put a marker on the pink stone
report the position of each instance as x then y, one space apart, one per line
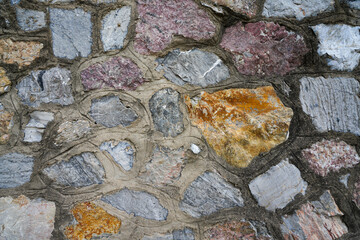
264 48
356 193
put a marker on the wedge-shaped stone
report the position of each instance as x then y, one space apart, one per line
6 124
183 234
71 131
5 83
37 125
15 169
30 20
122 153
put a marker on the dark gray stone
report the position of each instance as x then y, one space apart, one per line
15 169
122 153
184 234
30 20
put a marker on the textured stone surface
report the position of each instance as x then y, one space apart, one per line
264 48
71 32
246 7
118 72
239 124
340 44
122 153
194 67
15 169
210 193
330 156
183 234
30 20
353 3
91 220
5 84
79 171
115 27
111 112
22 218
46 86
315 220
5 124
37 125
324 100
71 131
162 19
278 186
139 203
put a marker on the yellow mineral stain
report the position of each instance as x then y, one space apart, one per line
4 81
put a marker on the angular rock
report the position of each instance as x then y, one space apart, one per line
246 7
239 124
162 19
330 156
122 153
71 32
37 125
183 234
117 72
6 124
195 148
22 218
194 67
46 86
79 171
30 20
278 186
139 203
264 48
344 179
15 169
324 100
315 220
208 194
5 84
110 112
70 131
165 112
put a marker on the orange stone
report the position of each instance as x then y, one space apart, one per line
5 83
239 124
5 126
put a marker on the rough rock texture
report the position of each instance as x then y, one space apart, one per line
324 100
264 48
22 218
122 153
46 86
5 83
139 203
278 186
356 193
246 7
37 125
5 124
340 44
239 124
162 19
194 67
166 113
210 193
353 3
183 234
15 169
71 131
330 156
315 220
110 112
30 20
79 171
118 72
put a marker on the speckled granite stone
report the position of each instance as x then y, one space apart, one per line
69 131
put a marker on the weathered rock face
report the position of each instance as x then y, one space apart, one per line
183 234
30 20
278 186
71 131
264 48
91 220
79 171
15 169
239 124
22 218
122 153
341 43
162 19
139 203
5 83
5 124
246 7
165 112
37 125
324 100
356 193
315 220
118 72
210 193
194 67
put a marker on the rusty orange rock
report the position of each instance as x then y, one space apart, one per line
5 125
239 124
5 83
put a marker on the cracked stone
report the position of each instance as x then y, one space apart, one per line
15 169
30 20
70 131
122 153
37 125
5 83
6 124
246 7
183 234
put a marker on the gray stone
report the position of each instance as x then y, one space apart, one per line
37 125
80 171
15 2
210 193
278 186
15 169
353 3
183 234
139 203
115 28
194 67
159 237
122 153
30 20
332 103
165 112
111 112
46 86
71 32
71 131
344 179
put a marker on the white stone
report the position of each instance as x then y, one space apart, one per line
195 148
37 125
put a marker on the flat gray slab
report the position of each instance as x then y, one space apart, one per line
15 169
122 153
30 20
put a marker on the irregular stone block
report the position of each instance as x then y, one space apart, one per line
15 169
183 234
122 153
22 218
315 220
239 124
80 171
246 7
118 72
5 84
30 20
194 67
210 193
324 100
344 179
139 203
46 86
264 48
37 125
110 112
71 131
6 124
165 112
278 186
71 32
162 19
356 193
